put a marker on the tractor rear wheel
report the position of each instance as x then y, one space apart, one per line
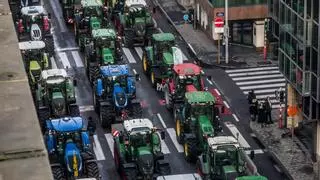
92 170
129 38
105 117
43 115
93 73
164 169
74 110
190 150
129 174
179 131
58 173
95 102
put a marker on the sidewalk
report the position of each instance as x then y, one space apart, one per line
297 164
204 48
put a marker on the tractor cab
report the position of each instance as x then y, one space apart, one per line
105 46
34 58
225 157
90 15
33 20
139 132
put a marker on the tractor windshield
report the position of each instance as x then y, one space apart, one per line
93 11
226 155
140 138
202 109
140 11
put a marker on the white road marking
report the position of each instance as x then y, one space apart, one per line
265 96
263 91
110 142
164 147
277 168
134 71
159 29
56 11
53 63
261 81
172 134
97 149
209 82
67 49
258 77
235 117
254 73
217 91
129 55
155 23
262 86
161 120
234 130
64 59
256 151
251 69
139 52
190 46
86 108
77 58
226 104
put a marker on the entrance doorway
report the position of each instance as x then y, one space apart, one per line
242 32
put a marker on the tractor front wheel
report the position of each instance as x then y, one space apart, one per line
129 174
179 131
93 73
92 170
58 173
129 38
190 150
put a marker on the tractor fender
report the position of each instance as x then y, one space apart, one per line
99 87
204 166
85 141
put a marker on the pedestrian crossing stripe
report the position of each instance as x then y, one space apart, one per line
263 80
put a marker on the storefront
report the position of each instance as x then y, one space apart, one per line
241 32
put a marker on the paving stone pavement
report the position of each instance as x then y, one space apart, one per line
298 164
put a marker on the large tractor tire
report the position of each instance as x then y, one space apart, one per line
106 117
129 174
179 131
190 150
129 38
95 102
74 110
164 169
93 73
43 115
145 66
92 169
58 173
136 111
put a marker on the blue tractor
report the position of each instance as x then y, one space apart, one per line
69 148
114 95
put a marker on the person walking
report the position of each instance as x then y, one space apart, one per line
268 107
253 103
261 114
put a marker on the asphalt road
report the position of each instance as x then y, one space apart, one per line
68 57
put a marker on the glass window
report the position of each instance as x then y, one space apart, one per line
314 109
299 58
314 59
247 33
287 67
307 58
281 61
306 83
306 106
316 10
282 13
315 35
313 85
292 72
299 79
300 28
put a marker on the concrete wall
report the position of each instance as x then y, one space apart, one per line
258 34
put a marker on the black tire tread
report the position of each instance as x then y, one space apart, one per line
92 170
58 173
106 120
192 150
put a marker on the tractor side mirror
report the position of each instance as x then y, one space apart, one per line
204 158
75 82
252 154
137 77
163 135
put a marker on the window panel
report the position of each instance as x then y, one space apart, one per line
314 86
306 83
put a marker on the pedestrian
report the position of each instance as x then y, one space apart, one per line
260 113
268 107
252 100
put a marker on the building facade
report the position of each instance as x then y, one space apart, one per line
246 19
295 24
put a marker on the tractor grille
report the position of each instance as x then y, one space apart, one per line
36 33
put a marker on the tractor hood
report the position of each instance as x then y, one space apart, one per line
120 97
73 159
58 104
35 32
107 56
145 160
206 125
67 124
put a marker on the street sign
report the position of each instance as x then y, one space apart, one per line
218 25
186 17
220 14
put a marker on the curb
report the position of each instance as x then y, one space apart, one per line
272 154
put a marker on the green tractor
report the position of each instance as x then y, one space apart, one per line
55 95
103 50
195 121
137 150
89 17
35 59
133 21
159 58
224 159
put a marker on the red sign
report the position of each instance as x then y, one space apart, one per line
218 22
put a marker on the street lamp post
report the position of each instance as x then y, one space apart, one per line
226 31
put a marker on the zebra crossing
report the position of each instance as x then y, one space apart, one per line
263 80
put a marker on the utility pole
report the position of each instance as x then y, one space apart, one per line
226 31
